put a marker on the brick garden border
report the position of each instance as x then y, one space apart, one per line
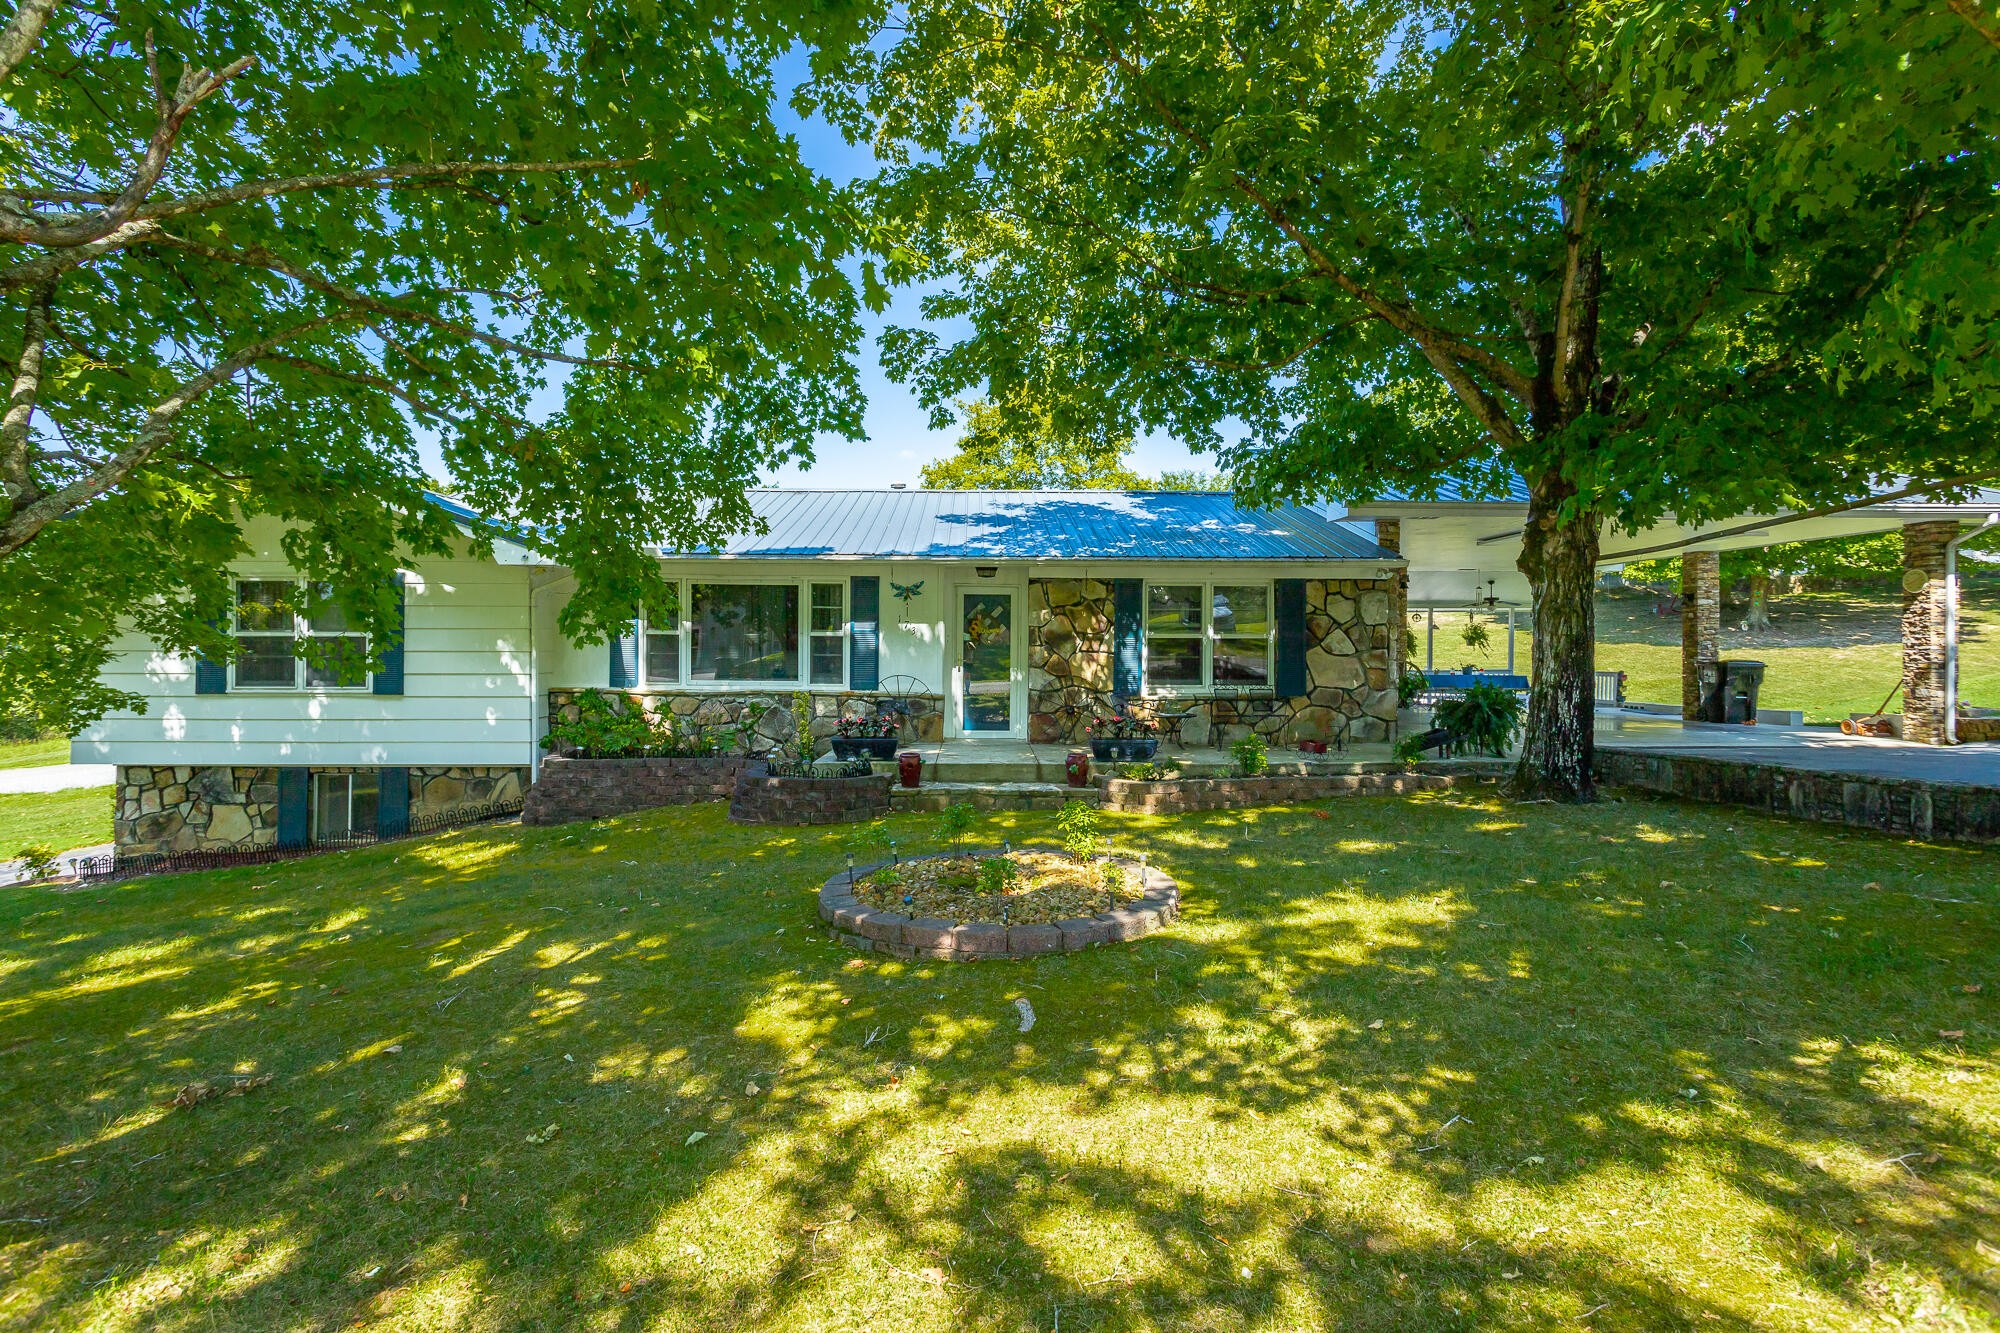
1171 796
572 789
866 928
759 798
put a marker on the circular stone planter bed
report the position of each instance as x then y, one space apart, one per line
869 914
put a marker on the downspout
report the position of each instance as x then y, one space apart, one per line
1951 627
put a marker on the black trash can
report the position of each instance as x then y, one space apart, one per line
1709 680
1741 681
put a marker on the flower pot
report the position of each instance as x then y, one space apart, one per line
1076 768
909 767
1312 747
864 747
1124 749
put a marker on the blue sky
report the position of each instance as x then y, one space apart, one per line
898 440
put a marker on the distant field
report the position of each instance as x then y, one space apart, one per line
33 754
66 820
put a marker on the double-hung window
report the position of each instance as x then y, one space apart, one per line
747 634
290 635
1200 635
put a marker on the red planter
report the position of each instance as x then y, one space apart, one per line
1076 768
909 767
1312 747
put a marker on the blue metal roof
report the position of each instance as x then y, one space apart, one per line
1496 488
1039 525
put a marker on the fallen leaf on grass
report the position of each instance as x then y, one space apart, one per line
1951 1034
695 1138
1972 989
397 1049
1376 1024
546 1136
934 1276
751 1089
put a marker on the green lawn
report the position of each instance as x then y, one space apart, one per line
79 817
1430 1063
34 754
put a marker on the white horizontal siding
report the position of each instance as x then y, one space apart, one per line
468 689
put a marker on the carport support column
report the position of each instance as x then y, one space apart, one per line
1389 536
1924 630
1701 624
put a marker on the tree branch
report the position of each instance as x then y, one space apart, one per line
17 481
21 34
26 228
261 259
1969 11
22 526
54 263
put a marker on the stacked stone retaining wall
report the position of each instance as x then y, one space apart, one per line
573 789
1176 795
759 798
1947 810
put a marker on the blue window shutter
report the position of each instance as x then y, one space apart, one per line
625 659
864 632
1288 670
389 678
211 676
294 806
1128 636
392 802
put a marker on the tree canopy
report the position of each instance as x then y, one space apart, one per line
252 254
1014 445
1631 253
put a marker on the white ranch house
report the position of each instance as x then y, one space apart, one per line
988 614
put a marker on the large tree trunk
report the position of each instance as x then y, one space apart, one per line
1759 616
1560 560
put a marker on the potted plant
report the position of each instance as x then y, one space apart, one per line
870 737
1122 736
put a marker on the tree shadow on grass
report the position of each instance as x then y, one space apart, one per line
1421 1063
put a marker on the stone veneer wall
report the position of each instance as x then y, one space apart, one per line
215 808
1949 810
1701 624
720 712
1350 662
1176 795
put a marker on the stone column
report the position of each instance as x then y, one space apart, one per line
1701 623
1389 535
1923 630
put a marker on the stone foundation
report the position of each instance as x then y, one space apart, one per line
1946 810
573 789
1176 795
759 798
1701 624
224 808
721 713
1351 657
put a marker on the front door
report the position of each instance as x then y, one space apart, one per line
986 663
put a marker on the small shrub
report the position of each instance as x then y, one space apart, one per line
1149 770
1483 722
1410 749
1252 756
1080 829
39 860
803 744
954 822
997 875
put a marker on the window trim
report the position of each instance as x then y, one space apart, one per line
683 586
301 629
1208 635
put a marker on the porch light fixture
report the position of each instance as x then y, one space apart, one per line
986 571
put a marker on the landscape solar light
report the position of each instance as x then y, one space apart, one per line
850 870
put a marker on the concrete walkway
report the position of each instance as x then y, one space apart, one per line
56 777
1812 749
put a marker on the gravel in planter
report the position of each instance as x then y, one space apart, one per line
1047 888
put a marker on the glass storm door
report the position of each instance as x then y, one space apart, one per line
986 662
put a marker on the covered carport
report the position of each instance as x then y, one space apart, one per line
1463 550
